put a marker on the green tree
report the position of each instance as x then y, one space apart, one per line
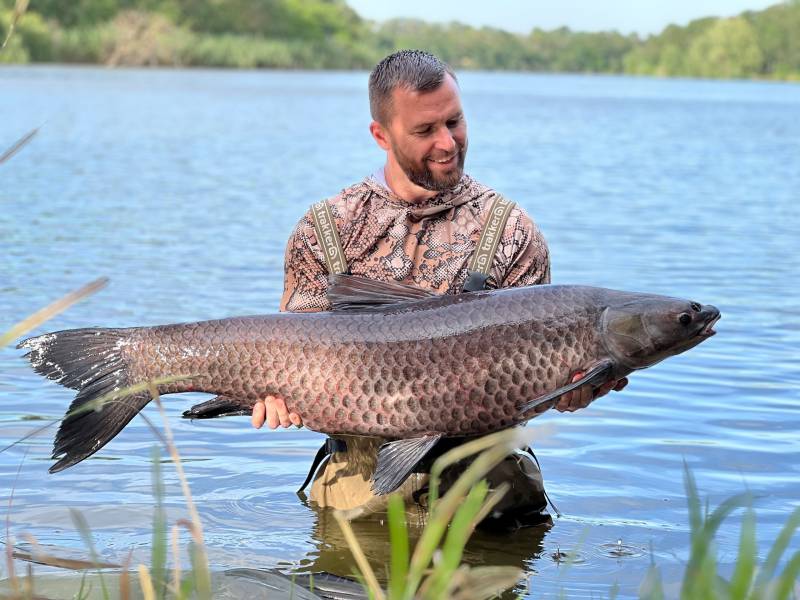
330 34
77 13
728 48
776 29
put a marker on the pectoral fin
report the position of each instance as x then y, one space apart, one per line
596 376
397 459
219 406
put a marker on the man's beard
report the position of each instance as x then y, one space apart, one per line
421 175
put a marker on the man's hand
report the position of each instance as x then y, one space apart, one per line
272 409
584 395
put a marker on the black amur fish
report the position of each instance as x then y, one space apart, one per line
390 360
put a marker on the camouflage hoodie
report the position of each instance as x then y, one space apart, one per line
428 244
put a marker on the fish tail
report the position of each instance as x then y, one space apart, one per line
91 361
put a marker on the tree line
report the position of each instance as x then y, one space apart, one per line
328 34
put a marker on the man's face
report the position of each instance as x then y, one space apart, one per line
427 135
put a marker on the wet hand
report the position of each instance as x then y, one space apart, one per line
273 411
585 395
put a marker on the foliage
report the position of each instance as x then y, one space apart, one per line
749 580
565 50
726 49
325 34
451 520
664 54
754 44
14 51
776 30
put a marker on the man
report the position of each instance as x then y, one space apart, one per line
417 220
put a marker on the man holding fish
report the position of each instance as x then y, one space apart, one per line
419 220
403 356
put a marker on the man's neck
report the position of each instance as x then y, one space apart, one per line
402 187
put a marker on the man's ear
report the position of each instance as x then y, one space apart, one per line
379 133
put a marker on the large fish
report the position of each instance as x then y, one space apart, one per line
391 361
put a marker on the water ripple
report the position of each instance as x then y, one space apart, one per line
677 187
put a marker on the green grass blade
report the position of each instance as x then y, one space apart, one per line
457 536
788 579
158 560
200 574
363 569
493 449
20 6
711 585
486 582
652 586
722 512
187 587
779 547
614 591
86 535
82 591
742 579
700 579
693 499
398 539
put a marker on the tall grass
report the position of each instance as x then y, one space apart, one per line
451 521
153 580
749 581
432 569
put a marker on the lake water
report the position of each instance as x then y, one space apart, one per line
182 187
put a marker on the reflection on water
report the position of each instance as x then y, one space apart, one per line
182 187
331 554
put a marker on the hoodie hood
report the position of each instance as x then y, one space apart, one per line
461 193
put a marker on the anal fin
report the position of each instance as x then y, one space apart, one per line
396 461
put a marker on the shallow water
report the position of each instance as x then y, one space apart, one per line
182 187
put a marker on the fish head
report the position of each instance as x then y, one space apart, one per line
644 331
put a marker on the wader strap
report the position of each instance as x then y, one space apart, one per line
529 450
481 264
328 238
330 446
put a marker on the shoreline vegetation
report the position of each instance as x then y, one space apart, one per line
328 34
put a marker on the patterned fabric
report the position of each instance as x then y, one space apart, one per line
428 244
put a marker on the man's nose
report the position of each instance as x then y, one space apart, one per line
445 140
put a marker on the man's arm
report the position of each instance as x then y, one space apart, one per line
530 265
525 256
305 276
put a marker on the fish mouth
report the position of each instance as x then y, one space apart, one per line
708 330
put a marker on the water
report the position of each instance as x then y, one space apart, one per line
182 187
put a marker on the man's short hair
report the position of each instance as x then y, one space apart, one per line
415 70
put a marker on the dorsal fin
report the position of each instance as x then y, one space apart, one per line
351 292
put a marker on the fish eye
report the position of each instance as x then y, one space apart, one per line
696 306
685 318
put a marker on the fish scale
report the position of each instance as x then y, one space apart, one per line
457 365
346 360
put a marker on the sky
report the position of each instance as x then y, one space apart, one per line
626 16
